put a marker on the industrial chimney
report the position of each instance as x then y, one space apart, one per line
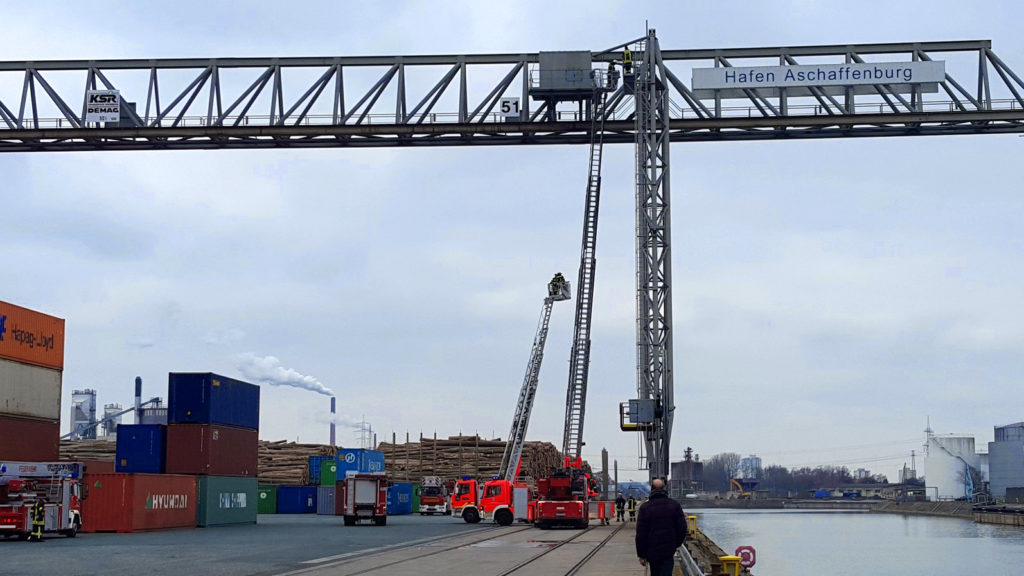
332 420
138 399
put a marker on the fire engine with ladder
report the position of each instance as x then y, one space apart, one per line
57 484
499 497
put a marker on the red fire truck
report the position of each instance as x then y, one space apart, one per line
57 484
362 497
564 497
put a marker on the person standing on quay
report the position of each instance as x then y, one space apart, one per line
660 530
620 508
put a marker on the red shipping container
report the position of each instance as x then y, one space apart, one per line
29 440
212 449
134 502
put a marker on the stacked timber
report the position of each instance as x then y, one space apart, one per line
287 463
280 462
459 456
83 450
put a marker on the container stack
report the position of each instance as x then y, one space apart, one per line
31 368
326 471
212 433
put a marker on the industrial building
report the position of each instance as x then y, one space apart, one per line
1006 459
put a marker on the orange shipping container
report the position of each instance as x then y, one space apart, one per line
31 337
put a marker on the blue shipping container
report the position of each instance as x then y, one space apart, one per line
211 399
315 464
360 461
141 448
400 498
296 499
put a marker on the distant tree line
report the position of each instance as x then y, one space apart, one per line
721 468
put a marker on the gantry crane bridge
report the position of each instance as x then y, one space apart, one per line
504 99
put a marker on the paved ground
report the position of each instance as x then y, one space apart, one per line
277 544
321 546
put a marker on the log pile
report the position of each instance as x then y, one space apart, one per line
459 456
287 463
96 450
280 462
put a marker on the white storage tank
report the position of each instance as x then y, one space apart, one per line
946 463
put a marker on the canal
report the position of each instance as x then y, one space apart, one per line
839 543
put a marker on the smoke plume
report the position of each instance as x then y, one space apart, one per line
268 370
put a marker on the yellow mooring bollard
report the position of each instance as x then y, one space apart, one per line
691 526
730 565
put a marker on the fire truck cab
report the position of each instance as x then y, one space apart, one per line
474 502
57 484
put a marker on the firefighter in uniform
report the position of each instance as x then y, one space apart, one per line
631 507
38 520
627 62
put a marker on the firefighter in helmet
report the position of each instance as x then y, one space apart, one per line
38 520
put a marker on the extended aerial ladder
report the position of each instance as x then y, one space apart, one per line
558 289
494 499
579 358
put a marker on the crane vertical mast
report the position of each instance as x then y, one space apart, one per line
579 359
558 290
653 252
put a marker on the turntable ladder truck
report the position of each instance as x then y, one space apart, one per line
495 498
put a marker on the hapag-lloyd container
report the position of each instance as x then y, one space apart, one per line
206 398
211 449
29 440
31 337
360 461
227 500
132 502
141 448
29 391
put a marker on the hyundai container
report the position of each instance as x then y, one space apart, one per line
134 502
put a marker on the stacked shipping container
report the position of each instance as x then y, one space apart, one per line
31 367
213 432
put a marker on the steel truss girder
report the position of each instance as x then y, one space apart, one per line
310 107
575 132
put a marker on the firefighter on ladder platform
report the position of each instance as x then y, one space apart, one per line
38 520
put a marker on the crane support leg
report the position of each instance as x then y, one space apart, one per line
653 252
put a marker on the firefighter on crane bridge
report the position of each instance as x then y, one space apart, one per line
627 61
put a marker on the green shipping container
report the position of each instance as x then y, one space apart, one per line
227 500
416 498
268 499
328 472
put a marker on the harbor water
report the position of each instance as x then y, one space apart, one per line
842 543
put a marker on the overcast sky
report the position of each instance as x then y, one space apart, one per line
829 295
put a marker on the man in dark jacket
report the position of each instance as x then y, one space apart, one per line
660 529
620 508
